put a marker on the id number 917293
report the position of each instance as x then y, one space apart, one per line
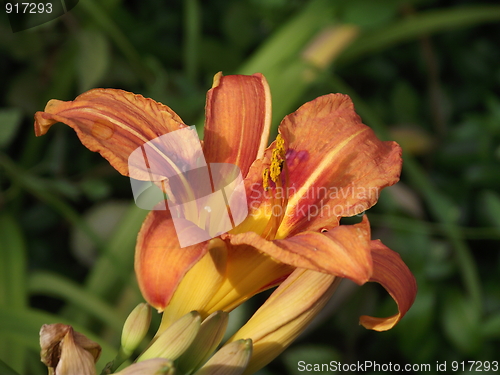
32 8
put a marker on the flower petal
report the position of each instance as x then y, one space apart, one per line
343 251
392 273
238 118
160 262
199 284
111 122
285 314
336 165
248 272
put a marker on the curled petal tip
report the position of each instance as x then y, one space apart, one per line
391 272
217 78
111 122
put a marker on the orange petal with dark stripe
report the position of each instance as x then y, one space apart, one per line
343 251
238 118
391 272
111 122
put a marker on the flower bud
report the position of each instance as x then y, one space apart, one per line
135 328
66 352
231 359
154 366
175 339
208 338
285 314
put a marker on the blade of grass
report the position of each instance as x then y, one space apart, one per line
24 327
111 273
116 260
6 370
423 227
423 23
12 263
116 265
37 188
192 28
54 285
13 294
280 59
101 18
284 45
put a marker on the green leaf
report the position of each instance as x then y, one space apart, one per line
93 58
287 42
415 328
102 219
423 23
10 119
24 327
105 22
192 29
6 369
112 271
280 57
53 285
491 206
12 264
369 14
405 102
116 263
40 189
12 283
461 323
491 328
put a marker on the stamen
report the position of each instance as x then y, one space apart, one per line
278 158
277 166
265 179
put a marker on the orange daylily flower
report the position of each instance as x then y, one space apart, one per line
325 164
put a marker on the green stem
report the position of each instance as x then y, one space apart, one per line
112 366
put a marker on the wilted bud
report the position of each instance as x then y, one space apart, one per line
231 359
135 328
66 352
208 338
155 366
285 314
175 339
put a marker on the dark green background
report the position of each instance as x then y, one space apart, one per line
425 73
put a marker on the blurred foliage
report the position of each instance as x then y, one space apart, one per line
422 72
